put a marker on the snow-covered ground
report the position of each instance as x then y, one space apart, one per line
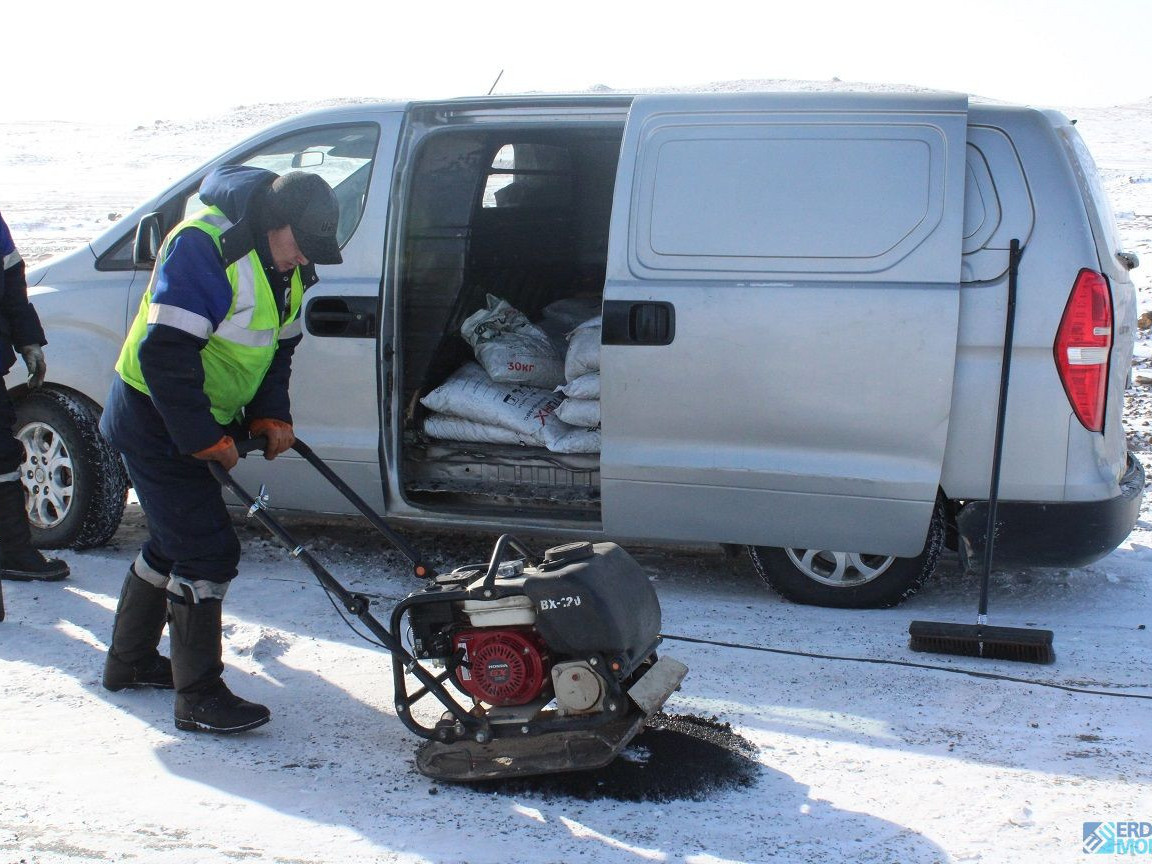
859 761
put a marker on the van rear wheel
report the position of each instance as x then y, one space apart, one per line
849 580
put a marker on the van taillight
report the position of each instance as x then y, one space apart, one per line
1083 345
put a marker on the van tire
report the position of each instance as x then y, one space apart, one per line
795 574
75 484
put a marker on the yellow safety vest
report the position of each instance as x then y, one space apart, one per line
241 348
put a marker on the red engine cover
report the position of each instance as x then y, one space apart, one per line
507 666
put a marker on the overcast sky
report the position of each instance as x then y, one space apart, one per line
136 61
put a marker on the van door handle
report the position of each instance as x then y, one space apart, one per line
342 317
648 323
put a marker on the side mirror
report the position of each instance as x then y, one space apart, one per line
149 236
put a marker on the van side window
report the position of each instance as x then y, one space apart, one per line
119 257
529 175
833 196
342 155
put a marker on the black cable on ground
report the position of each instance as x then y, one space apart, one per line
970 672
873 660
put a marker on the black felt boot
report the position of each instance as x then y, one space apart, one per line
18 560
133 660
203 702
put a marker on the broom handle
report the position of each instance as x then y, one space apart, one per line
1014 254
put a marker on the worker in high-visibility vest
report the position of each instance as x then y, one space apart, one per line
208 358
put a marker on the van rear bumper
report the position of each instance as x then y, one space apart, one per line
1054 534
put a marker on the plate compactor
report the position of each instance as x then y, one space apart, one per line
551 661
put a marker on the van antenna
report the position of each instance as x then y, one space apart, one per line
494 83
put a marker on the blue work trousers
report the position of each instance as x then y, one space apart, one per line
190 531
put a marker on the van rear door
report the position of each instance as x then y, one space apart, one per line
780 318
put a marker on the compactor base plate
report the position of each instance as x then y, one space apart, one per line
549 753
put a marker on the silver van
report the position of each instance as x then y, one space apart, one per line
803 301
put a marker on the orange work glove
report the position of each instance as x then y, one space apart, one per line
223 451
279 434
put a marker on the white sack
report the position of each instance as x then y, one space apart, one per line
585 387
584 413
446 428
511 348
576 441
583 350
470 394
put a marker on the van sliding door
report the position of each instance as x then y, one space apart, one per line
780 318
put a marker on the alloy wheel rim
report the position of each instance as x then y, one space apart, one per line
47 475
839 569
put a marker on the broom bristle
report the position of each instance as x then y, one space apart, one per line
943 645
1018 644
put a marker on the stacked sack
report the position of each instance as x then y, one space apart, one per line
511 348
582 378
506 397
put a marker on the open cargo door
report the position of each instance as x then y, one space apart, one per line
780 318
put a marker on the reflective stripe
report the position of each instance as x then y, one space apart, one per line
200 589
245 304
230 332
218 220
292 330
12 259
10 476
152 577
181 319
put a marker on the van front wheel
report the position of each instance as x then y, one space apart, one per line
848 580
75 485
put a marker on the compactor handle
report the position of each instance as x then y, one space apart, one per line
259 442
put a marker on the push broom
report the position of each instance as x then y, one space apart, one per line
1026 645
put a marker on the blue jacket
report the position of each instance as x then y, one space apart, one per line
177 418
19 323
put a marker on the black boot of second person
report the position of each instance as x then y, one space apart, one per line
203 702
133 660
19 561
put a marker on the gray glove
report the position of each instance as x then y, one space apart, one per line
34 360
